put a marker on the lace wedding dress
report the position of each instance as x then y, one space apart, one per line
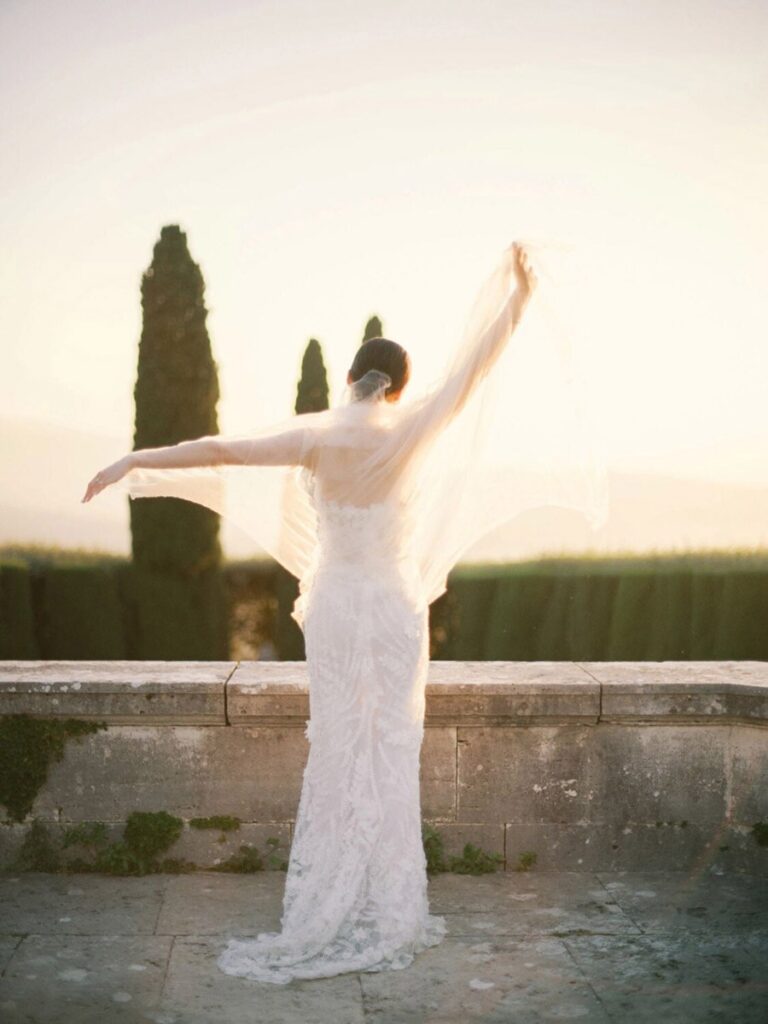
370 504
356 888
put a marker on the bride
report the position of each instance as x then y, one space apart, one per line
370 504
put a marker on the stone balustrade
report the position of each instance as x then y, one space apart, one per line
587 766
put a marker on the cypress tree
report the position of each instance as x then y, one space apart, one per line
373 329
312 390
311 396
176 543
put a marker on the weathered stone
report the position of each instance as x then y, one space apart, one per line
215 996
212 847
527 947
730 691
537 774
251 773
268 692
221 904
747 776
437 774
661 773
204 848
117 692
685 901
505 744
84 904
490 838
59 979
678 978
589 846
507 693
8 944
571 846
478 977
545 908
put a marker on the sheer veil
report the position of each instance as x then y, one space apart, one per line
504 428
527 437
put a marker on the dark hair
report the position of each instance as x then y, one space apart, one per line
386 356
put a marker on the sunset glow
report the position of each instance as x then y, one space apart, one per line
330 161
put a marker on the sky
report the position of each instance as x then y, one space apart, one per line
330 160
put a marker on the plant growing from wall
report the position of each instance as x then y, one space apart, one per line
147 835
246 861
473 859
28 746
38 851
526 860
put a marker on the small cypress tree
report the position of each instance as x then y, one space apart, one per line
373 329
312 390
311 396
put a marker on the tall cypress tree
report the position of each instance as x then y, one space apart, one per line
175 544
373 329
312 390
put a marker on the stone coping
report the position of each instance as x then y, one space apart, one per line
459 693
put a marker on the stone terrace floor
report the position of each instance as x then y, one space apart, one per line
534 947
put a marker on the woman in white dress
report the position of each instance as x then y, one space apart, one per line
369 504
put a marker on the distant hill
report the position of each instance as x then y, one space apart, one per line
45 470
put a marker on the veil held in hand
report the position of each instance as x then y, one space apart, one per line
504 429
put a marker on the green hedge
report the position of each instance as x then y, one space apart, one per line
17 621
178 618
622 609
81 613
645 609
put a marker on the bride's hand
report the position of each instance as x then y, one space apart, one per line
524 272
108 476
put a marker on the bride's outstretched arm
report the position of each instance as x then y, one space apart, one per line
291 447
284 449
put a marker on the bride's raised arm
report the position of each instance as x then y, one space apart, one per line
496 314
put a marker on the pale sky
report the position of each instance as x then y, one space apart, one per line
328 160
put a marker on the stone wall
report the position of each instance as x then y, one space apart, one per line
595 765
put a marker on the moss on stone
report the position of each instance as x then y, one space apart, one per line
176 866
28 745
526 860
473 860
38 851
147 835
433 849
223 822
86 833
275 860
760 832
246 861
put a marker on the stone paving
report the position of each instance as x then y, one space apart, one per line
522 947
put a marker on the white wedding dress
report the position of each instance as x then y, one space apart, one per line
356 888
370 504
